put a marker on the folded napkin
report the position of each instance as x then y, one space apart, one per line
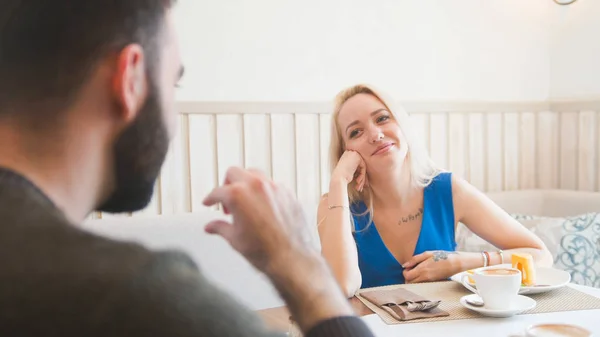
404 305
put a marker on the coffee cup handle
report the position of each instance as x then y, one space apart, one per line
464 281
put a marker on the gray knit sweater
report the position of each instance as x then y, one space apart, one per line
57 280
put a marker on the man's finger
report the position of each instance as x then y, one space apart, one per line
257 172
262 175
235 174
221 194
220 227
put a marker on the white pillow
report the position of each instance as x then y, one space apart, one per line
549 230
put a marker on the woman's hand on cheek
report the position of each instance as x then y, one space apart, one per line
430 266
351 167
361 174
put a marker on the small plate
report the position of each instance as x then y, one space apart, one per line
523 303
547 279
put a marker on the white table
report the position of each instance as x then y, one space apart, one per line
490 327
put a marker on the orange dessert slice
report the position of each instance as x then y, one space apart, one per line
524 262
470 279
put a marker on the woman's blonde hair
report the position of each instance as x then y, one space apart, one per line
422 168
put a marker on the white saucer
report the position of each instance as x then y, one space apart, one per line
547 278
523 303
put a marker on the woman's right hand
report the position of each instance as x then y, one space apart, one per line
351 166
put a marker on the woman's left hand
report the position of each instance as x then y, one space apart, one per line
431 266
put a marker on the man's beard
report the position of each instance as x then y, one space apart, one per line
139 154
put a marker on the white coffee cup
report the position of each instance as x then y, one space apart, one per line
556 330
498 287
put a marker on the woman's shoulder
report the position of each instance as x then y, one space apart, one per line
442 180
443 176
452 182
453 189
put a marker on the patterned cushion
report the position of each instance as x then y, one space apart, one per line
574 243
579 249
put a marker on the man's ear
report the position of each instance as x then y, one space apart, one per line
130 82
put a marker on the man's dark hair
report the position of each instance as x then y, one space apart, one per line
48 48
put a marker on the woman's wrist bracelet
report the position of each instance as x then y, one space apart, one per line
339 206
489 257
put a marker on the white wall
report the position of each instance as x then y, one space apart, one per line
273 50
575 51
495 146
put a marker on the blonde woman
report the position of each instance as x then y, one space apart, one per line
390 215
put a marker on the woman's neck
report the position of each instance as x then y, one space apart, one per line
392 188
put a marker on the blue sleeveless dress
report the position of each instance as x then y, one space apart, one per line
377 265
